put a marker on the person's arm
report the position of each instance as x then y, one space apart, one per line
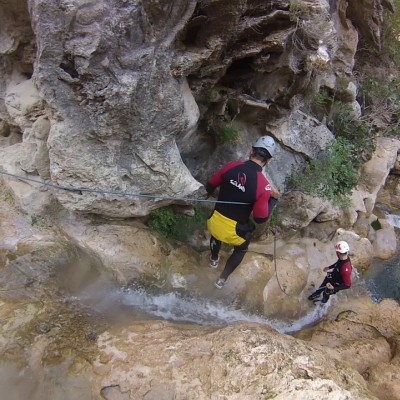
346 276
330 268
210 188
266 199
345 272
216 179
260 208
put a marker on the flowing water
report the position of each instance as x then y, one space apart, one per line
206 310
383 278
207 307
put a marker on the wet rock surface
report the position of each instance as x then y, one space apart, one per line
77 332
133 97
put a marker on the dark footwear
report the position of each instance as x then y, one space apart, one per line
314 296
220 283
214 263
327 293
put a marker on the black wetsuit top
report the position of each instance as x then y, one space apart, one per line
241 182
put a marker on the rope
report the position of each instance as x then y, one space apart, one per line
80 190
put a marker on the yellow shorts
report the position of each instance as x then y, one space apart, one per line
224 229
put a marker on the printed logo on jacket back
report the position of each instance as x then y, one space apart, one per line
241 181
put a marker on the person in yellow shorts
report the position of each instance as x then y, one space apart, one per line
243 190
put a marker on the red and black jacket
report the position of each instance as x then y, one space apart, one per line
244 182
340 277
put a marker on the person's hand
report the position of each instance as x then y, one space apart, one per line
329 286
327 269
201 193
275 193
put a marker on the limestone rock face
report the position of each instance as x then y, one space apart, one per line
215 366
304 134
384 241
24 159
359 328
370 19
138 97
301 209
118 108
390 193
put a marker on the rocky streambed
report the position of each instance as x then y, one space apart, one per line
75 325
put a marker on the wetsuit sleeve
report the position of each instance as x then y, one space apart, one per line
209 188
216 179
260 211
260 207
346 276
332 266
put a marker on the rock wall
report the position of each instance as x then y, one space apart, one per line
133 97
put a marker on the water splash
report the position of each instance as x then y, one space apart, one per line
178 307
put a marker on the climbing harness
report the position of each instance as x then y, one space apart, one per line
81 190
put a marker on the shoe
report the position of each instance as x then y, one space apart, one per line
214 263
314 296
220 283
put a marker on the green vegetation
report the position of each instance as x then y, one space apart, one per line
391 33
341 121
297 10
335 174
379 95
321 101
229 356
34 220
206 99
274 218
332 177
380 101
177 226
376 225
359 133
227 134
6 195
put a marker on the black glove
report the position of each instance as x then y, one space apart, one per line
245 230
271 204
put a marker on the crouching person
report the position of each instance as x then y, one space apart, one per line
338 275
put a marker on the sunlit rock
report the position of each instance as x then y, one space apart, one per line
384 240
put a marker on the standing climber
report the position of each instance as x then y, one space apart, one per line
240 182
338 275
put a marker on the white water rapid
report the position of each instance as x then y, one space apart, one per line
138 303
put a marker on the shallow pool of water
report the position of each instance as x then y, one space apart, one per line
383 279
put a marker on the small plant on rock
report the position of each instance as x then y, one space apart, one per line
177 226
228 134
332 177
